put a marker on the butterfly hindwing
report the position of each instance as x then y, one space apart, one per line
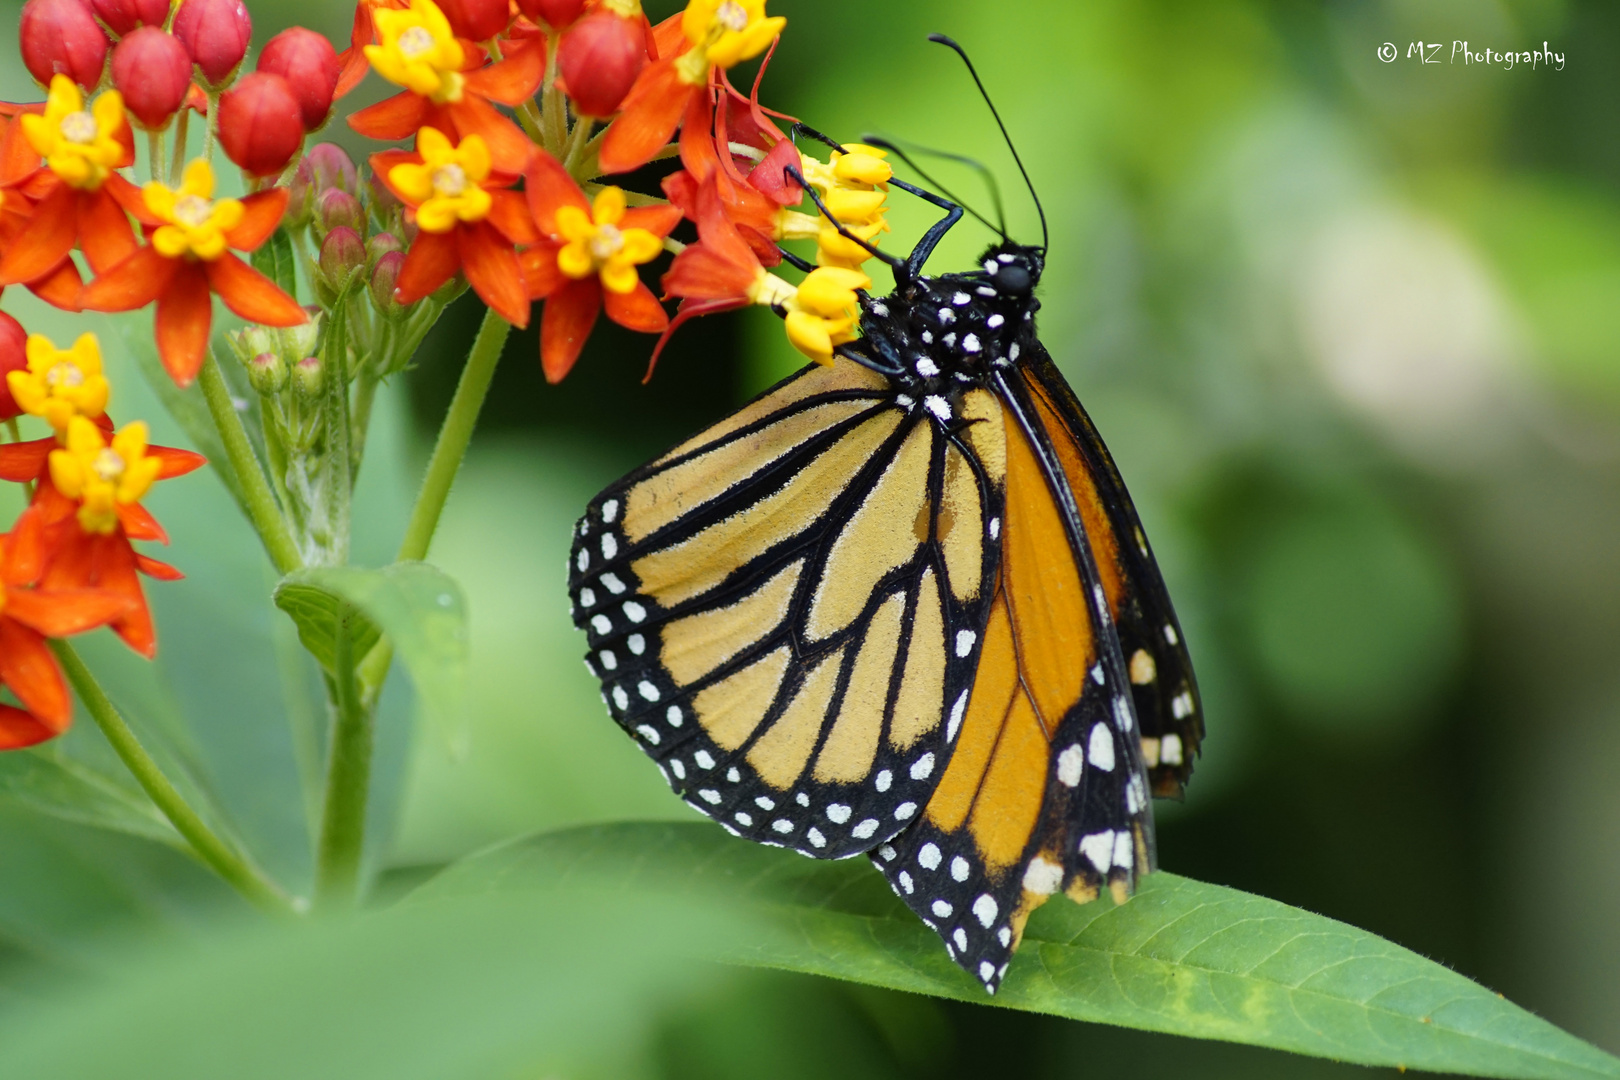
779 609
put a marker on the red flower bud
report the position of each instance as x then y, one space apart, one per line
554 13
13 357
476 20
384 279
122 16
337 209
341 252
151 69
310 65
62 36
216 34
259 126
600 56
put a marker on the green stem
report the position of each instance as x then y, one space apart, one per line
208 128
577 141
553 107
228 863
365 393
348 779
155 165
182 128
260 502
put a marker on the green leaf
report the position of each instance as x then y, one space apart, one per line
276 261
72 791
1181 956
420 608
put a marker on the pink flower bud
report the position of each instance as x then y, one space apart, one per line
123 16
151 69
476 20
600 56
259 125
384 279
554 13
380 245
337 209
216 34
62 37
330 167
310 65
341 252
13 357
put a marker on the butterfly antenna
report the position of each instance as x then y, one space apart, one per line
941 39
978 166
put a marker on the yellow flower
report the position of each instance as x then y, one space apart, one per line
418 50
857 167
854 185
824 310
596 245
197 222
80 146
724 33
101 477
61 384
445 187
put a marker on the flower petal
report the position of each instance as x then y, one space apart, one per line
176 462
569 315
493 271
116 571
19 729
261 213
61 287
131 199
29 669
509 148
63 613
540 272
649 116
383 162
658 220
509 213
432 260
133 283
24 462
637 309
139 524
549 188
185 313
252 295
392 118
155 568
515 79
104 233
45 241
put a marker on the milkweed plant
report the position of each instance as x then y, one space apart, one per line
518 118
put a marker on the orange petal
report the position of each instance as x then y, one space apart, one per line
17 155
650 114
19 729
252 295
60 288
24 462
383 161
185 312
702 273
139 524
104 233
176 462
493 272
29 669
133 283
636 310
432 260
515 79
45 241
667 39
510 214
116 571
549 188
352 63
565 324
509 148
658 220
154 568
392 118
263 214
540 273
130 198
65 613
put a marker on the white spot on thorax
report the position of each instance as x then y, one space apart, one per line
926 367
994 321
961 298
946 315
938 406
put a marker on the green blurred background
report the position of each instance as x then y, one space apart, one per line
1352 330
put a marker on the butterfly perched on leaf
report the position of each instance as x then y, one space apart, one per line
901 604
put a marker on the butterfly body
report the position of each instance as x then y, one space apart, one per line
901 605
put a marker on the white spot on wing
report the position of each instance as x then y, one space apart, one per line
956 716
1122 849
674 716
985 909
1182 706
610 546
1043 878
610 511
620 698
838 813
634 611
704 759
637 643
1170 750
1123 717
865 830
782 825
923 767
960 937
959 868
928 856
648 732
964 642
710 796
1069 766
1099 848
614 585
608 660
942 909
883 780
906 883
938 406
587 597
995 527
1100 751
647 690
904 811
1169 632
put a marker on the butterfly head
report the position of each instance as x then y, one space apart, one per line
1013 269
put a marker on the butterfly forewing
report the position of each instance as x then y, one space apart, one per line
780 609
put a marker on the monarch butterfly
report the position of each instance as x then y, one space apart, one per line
902 605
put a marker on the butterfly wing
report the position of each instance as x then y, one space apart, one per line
1045 789
780 608
1155 652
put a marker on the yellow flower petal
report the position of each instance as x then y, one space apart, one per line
609 205
619 276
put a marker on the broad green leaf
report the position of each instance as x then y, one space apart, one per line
1181 956
419 607
67 789
276 261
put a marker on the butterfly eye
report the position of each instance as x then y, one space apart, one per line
1013 279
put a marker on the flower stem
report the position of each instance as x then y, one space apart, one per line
181 130
261 503
348 779
225 860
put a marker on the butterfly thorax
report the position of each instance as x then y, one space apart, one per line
938 337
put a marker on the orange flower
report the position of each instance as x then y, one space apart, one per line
467 219
188 259
586 260
446 85
29 616
75 199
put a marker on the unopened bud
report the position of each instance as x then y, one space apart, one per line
123 16
250 341
335 209
384 203
599 58
62 37
301 340
267 373
309 377
476 20
330 167
259 126
310 65
384 280
554 13
380 245
216 34
151 70
13 357
342 252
